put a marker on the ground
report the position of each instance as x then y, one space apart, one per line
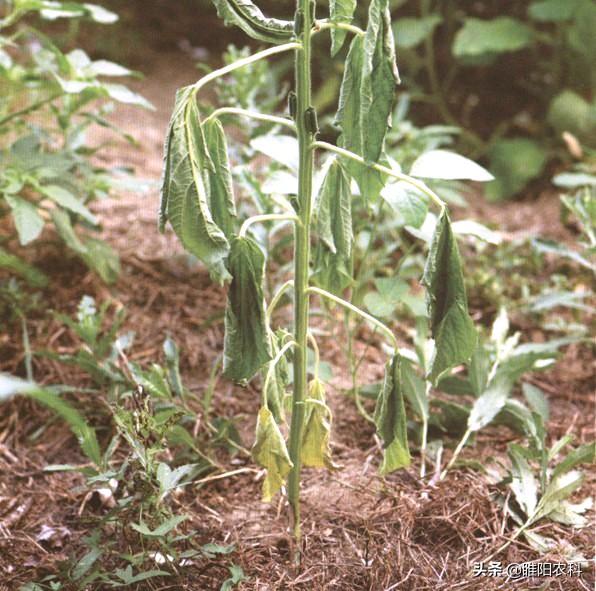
361 532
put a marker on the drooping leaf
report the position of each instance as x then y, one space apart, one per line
366 100
334 211
314 450
276 388
415 390
446 165
270 452
390 419
184 199
452 328
340 11
500 35
333 272
247 345
27 220
247 16
221 192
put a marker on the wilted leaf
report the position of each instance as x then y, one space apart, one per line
452 327
247 345
221 192
340 11
314 449
270 452
390 419
184 199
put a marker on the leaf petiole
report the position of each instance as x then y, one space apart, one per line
421 186
267 217
382 327
326 24
251 115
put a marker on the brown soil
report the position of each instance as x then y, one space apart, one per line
361 532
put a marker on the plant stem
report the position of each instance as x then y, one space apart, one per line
392 173
251 115
301 262
456 453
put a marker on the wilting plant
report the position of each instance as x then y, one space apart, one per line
198 201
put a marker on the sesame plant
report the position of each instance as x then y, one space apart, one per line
198 201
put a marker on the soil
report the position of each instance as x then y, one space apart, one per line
361 532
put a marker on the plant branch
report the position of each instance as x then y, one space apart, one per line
421 186
382 327
29 109
456 453
251 115
325 24
276 299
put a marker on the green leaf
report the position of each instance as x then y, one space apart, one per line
221 192
334 211
514 162
537 400
500 35
390 292
85 563
247 345
379 80
570 112
340 11
236 576
489 404
276 388
452 328
27 221
247 16
410 32
103 259
184 199
333 272
583 454
553 10
314 449
445 165
161 530
523 484
11 386
390 418
65 230
367 96
561 486
407 202
16 265
280 148
270 452
67 200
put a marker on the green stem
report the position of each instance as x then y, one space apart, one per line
382 327
392 173
456 453
251 115
29 109
266 217
303 77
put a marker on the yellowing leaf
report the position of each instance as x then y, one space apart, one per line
270 452
315 451
390 419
